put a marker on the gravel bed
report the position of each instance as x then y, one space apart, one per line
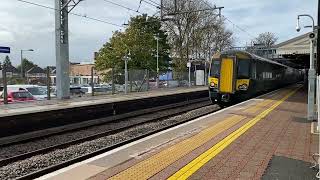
18 169
13 150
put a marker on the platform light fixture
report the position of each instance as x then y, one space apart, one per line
22 68
312 73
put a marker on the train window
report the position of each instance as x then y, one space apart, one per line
254 70
215 68
243 69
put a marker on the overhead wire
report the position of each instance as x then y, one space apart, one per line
226 18
130 9
139 5
75 14
151 3
125 7
235 25
155 2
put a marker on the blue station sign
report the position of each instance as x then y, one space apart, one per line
4 49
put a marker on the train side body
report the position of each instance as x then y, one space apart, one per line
239 75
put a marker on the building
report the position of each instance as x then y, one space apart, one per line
36 72
12 71
295 51
36 75
80 73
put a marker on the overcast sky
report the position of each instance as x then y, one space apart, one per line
25 26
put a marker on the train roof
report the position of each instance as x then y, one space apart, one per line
253 56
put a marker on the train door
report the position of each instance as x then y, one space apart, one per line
226 84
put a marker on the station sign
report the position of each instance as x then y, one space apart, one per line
4 49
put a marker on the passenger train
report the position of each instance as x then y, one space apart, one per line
238 75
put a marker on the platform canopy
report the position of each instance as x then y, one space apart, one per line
297 45
295 50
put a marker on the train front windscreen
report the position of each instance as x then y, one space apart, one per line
215 68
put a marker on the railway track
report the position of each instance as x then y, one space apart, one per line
93 132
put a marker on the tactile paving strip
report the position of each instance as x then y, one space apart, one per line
156 163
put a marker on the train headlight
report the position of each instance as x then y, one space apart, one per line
243 87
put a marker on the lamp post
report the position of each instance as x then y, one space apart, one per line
312 72
189 75
126 58
157 80
22 68
158 61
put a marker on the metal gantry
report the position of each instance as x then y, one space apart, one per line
63 8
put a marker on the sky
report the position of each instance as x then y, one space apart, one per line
25 26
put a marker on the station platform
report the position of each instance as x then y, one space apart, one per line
267 137
42 106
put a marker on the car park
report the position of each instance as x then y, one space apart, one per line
38 92
76 91
99 89
18 96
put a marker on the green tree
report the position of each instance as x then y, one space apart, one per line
7 61
140 40
109 56
27 65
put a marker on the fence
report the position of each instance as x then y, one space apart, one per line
112 82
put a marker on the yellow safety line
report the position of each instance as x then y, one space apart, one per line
264 103
201 160
258 106
147 168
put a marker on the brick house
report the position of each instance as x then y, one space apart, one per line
80 73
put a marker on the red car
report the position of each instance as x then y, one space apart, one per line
18 96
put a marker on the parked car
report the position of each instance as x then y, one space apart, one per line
76 91
108 86
88 90
38 92
171 84
119 87
18 96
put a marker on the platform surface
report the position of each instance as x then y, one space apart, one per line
235 143
40 106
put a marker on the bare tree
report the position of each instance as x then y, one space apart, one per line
193 33
266 39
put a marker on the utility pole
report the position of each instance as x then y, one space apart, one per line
175 6
48 83
161 11
126 58
63 8
157 80
92 81
312 70
318 40
4 78
312 86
